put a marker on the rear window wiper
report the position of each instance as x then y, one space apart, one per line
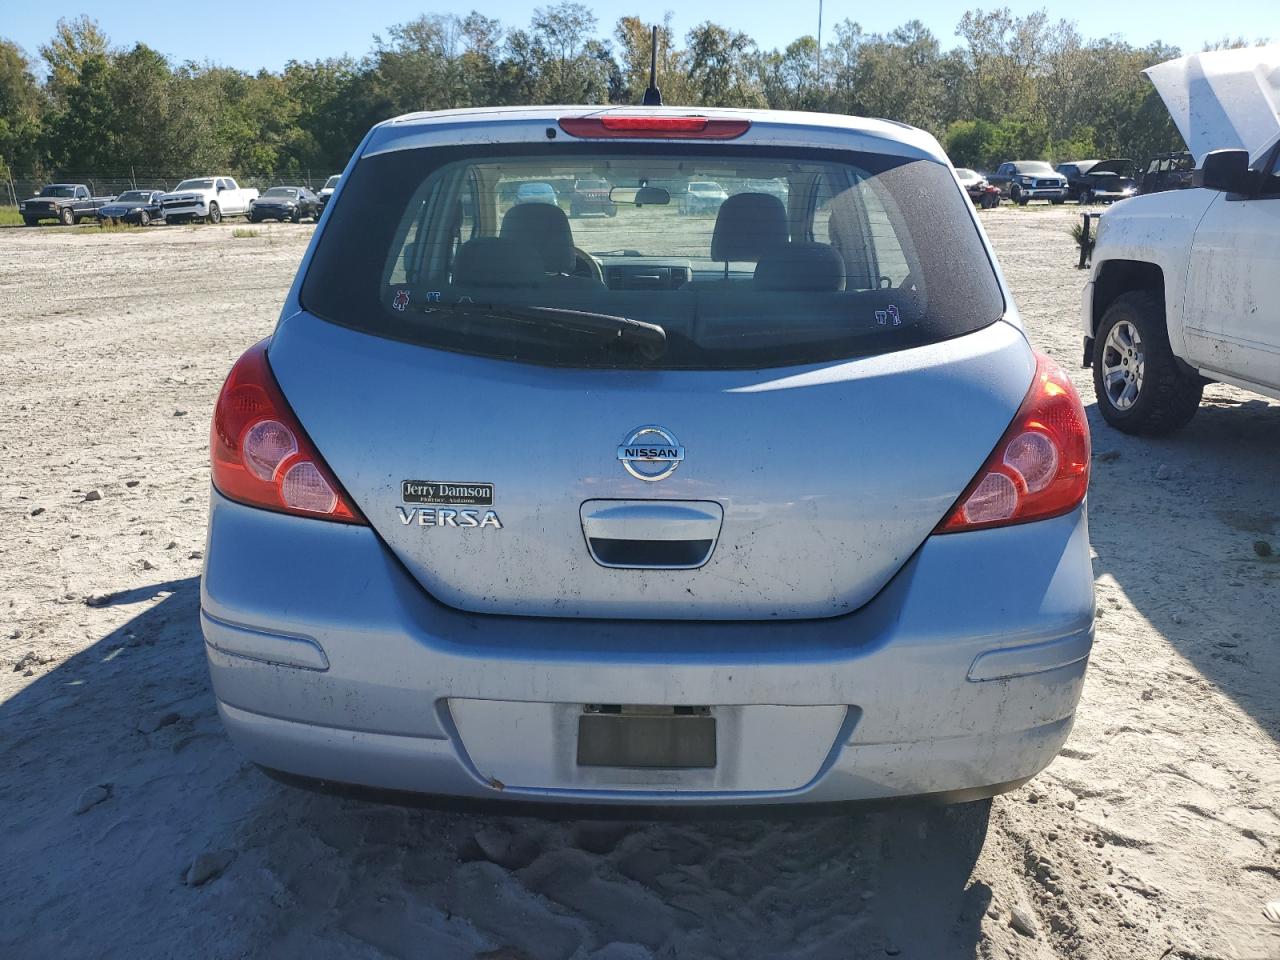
648 340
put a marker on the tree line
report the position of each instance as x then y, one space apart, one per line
1009 88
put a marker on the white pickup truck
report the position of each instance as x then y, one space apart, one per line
1185 285
207 198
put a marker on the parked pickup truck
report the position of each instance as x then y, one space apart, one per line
1185 286
67 203
208 199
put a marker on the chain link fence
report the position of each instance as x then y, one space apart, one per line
107 184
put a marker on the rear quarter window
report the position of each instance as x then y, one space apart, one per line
799 256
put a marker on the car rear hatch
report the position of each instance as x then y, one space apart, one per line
830 370
827 478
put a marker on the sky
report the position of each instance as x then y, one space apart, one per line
252 35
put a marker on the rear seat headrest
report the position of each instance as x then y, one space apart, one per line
544 229
801 266
496 262
747 225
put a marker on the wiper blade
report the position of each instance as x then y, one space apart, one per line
649 340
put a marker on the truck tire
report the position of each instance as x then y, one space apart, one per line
66 217
215 213
1141 386
144 218
30 222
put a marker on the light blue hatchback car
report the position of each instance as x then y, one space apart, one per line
775 506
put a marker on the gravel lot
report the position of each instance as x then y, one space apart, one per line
129 827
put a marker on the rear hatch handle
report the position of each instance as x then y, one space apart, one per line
651 534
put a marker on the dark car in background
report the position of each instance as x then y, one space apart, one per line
591 196
133 206
68 203
285 203
1025 180
1168 171
1099 181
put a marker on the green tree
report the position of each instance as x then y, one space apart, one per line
74 42
21 109
719 64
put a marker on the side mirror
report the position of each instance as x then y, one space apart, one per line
1226 171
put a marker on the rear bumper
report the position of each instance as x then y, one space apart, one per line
330 662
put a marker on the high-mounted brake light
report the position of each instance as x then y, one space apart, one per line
260 454
675 128
1040 467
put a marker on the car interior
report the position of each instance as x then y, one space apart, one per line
835 254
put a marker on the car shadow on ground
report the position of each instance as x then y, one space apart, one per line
1178 522
127 729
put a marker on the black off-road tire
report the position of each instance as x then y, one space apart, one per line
297 216
215 213
30 222
1170 393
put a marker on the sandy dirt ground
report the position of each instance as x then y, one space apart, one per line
129 826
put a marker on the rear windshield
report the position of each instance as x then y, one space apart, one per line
802 256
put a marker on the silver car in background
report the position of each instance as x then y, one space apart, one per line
772 506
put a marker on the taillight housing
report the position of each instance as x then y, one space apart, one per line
668 128
1040 467
260 454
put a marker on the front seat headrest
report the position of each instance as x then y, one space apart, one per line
544 229
496 262
748 225
801 266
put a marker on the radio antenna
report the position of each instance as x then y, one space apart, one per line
653 96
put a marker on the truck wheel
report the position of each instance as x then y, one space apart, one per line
297 216
30 221
144 218
215 214
66 217
1141 387
1086 197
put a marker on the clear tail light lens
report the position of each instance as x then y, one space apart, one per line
1040 467
260 454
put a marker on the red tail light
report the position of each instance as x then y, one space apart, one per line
1040 467
260 454
676 128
